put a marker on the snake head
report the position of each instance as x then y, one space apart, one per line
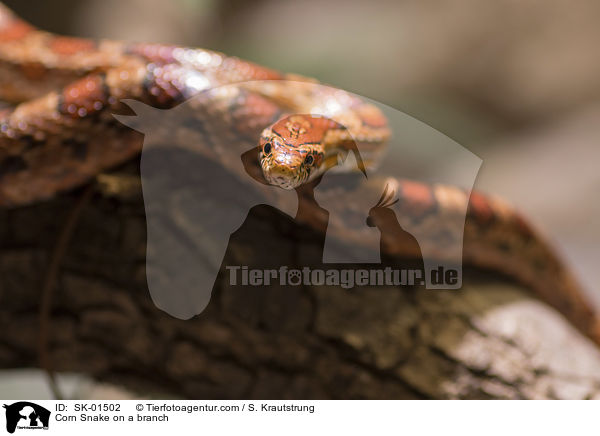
298 148
291 151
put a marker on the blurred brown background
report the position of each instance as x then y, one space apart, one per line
518 83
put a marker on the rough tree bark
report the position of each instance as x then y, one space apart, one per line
490 339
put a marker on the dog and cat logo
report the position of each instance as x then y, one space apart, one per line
25 415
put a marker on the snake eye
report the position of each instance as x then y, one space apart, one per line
309 160
267 148
370 221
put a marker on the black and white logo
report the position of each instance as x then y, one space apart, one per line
26 415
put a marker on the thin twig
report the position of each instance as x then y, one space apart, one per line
49 285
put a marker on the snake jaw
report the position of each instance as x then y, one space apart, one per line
282 170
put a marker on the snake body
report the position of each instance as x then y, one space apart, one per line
60 133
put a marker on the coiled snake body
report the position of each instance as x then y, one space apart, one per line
60 134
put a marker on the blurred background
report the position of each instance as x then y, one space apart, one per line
517 83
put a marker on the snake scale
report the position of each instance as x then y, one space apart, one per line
59 133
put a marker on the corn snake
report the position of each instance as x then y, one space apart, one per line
65 90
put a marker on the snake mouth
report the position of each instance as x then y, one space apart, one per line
281 182
284 179
281 175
